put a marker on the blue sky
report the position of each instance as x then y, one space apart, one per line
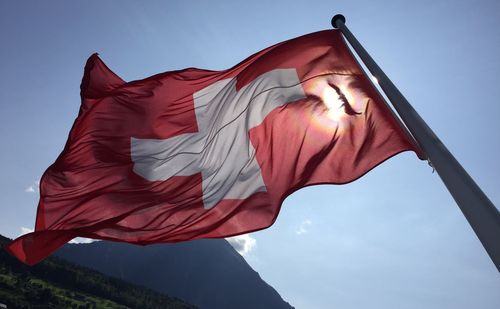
394 238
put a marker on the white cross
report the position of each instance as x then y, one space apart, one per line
221 150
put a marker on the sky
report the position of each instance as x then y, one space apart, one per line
392 239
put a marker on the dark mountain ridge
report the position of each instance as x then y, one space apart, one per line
208 273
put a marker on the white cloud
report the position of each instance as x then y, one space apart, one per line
303 228
32 188
81 240
25 230
242 243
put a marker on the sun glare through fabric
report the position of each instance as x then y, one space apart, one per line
335 99
334 103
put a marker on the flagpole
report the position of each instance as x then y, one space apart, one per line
479 211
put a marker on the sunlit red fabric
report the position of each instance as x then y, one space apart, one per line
92 190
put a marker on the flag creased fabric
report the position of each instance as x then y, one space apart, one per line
201 154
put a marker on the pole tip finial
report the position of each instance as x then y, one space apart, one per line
336 19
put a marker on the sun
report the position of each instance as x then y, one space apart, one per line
337 102
333 102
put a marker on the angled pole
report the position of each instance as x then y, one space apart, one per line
479 211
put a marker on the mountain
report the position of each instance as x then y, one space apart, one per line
208 273
55 283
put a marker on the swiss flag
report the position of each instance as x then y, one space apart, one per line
198 154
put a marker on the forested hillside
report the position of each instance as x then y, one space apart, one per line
55 283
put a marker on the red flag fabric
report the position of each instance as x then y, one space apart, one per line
200 154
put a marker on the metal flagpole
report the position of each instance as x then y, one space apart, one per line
482 215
